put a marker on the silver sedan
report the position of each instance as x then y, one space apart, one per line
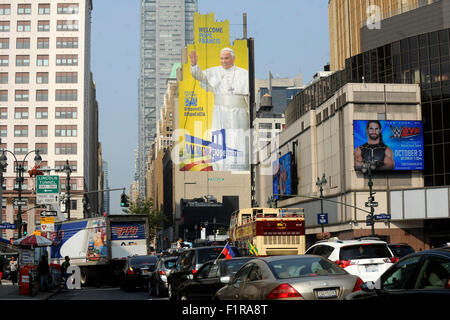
299 277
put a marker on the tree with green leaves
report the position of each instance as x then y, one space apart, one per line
156 219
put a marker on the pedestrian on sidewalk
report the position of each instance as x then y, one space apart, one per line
43 274
13 267
64 266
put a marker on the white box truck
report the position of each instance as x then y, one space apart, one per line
100 245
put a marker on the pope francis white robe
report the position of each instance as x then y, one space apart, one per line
231 114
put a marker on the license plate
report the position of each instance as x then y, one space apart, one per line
372 268
327 293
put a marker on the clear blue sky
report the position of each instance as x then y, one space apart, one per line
291 37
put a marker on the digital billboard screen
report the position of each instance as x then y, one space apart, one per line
282 182
390 144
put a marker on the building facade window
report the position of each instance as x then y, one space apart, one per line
59 165
43 43
22 77
23 26
21 113
3 131
43 26
3 95
4 61
42 61
66 59
22 61
4 43
65 148
44 8
3 77
22 95
42 147
67 42
68 8
20 131
5 9
41 131
3 113
41 77
24 8
20 148
41 95
41 113
23 43
66 113
66 131
66 95
4 26
66 77
67 25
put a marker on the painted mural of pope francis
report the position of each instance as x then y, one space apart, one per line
229 84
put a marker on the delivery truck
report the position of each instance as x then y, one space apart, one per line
100 245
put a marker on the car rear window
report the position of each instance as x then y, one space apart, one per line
234 265
364 251
401 251
143 260
304 267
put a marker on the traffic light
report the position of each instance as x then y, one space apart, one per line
24 228
124 200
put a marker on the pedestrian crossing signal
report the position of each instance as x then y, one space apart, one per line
124 200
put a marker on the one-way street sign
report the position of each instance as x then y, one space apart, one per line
48 213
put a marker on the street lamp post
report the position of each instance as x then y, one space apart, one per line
368 168
320 183
68 171
19 179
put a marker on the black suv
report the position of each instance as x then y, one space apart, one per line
188 264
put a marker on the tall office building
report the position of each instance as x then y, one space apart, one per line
347 17
166 27
47 96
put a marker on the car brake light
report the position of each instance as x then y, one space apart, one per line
194 271
394 259
284 290
343 263
130 270
162 272
358 284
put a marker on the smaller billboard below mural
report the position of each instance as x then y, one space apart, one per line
282 182
390 144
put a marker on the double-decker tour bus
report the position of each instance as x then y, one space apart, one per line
269 231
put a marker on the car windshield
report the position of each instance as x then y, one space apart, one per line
304 267
364 251
233 265
143 260
401 251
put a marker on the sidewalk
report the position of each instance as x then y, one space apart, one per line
8 291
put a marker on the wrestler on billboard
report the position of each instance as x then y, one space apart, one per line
374 149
